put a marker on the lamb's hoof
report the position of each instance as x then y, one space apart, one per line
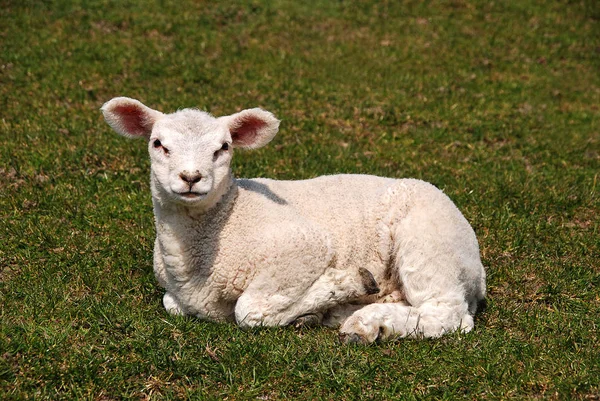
309 320
360 329
369 283
352 338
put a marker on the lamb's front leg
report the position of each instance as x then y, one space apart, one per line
269 302
170 301
172 305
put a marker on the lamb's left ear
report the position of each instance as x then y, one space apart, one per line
130 117
252 128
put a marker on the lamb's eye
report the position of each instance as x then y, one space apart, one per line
224 148
157 144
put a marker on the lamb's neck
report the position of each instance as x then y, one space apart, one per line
188 238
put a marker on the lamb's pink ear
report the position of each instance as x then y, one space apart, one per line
252 128
129 117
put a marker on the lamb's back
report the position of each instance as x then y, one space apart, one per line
350 194
348 209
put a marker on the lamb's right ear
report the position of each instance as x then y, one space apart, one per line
129 117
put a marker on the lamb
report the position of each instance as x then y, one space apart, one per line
378 257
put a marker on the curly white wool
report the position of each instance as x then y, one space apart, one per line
381 257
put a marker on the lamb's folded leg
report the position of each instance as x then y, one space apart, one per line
381 321
260 307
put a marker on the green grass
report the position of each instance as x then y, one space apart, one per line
497 103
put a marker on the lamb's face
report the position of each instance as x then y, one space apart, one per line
190 153
190 150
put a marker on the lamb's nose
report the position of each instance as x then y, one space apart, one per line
190 178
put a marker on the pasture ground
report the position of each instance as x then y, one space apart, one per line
497 103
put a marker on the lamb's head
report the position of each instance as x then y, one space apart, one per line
190 150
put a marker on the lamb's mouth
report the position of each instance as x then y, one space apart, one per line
192 194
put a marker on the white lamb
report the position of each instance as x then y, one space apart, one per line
381 257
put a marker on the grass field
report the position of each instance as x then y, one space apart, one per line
497 103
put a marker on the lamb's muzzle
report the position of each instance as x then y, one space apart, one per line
380 257
190 178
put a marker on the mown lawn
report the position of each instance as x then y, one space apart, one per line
497 103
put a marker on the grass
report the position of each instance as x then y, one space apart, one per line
497 103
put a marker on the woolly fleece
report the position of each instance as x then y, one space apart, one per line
379 257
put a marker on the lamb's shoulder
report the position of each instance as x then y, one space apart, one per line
265 225
216 259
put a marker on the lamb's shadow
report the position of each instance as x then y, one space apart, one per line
482 306
261 189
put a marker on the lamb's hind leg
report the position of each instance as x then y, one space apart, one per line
382 321
436 303
437 263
